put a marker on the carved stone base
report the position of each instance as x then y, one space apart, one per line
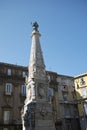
38 116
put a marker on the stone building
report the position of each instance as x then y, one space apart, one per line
12 95
61 94
81 93
63 98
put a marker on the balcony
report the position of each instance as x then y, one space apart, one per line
10 94
4 76
10 122
67 116
7 122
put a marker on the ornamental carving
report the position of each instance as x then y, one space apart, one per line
29 118
41 90
40 72
29 93
43 112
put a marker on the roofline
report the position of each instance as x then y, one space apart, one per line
65 76
78 76
59 74
14 65
51 72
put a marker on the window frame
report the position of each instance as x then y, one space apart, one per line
85 108
50 92
8 88
23 74
23 90
65 95
83 92
9 72
6 116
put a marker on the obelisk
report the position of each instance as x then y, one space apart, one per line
37 114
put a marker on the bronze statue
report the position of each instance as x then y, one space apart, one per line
35 26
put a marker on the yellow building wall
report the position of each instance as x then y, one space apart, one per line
80 99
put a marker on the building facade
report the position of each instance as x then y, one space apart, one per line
61 95
12 95
81 93
64 102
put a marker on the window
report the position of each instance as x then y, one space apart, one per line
84 92
85 107
17 72
82 82
23 74
73 95
72 83
6 117
5 128
8 88
67 110
65 95
50 92
9 72
75 109
23 90
64 82
48 76
68 126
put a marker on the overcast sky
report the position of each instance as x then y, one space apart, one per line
63 28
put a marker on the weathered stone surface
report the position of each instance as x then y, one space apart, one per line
37 113
45 123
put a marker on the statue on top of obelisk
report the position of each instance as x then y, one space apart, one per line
35 26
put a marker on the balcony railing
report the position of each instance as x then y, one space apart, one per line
68 116
10 122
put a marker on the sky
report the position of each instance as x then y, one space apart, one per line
63 28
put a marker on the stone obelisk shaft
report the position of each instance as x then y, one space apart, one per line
37 113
